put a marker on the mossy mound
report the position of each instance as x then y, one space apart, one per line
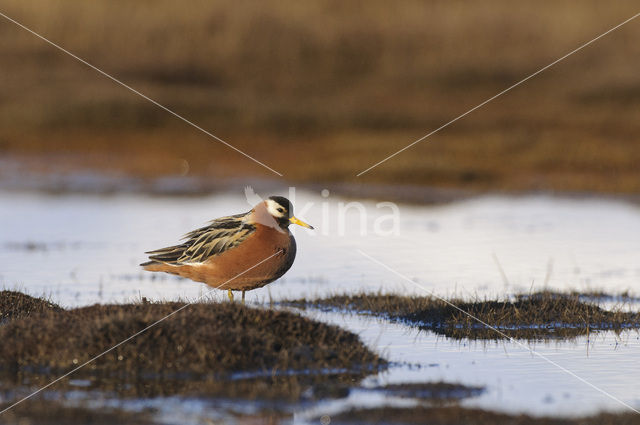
48 412
539 315
215 348
458 415
218 338
15 304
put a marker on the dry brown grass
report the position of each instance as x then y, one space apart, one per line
323 89
539 315
14 305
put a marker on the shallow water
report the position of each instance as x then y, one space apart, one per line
82 249
516 380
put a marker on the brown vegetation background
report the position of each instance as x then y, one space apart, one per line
320 90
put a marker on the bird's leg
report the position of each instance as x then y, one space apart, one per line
230 295
243 297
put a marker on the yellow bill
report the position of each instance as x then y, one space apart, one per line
300 223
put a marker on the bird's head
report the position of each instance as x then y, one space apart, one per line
281 210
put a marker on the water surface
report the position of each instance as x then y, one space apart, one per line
82 249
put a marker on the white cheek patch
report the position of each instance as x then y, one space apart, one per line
272 208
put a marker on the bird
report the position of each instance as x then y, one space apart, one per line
238 252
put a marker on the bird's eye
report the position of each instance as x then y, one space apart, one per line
280 210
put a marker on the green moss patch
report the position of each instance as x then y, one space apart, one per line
539 315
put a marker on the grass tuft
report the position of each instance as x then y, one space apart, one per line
539 315
14 305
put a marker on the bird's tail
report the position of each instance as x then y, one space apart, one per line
153 266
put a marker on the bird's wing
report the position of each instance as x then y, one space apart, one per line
219 236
